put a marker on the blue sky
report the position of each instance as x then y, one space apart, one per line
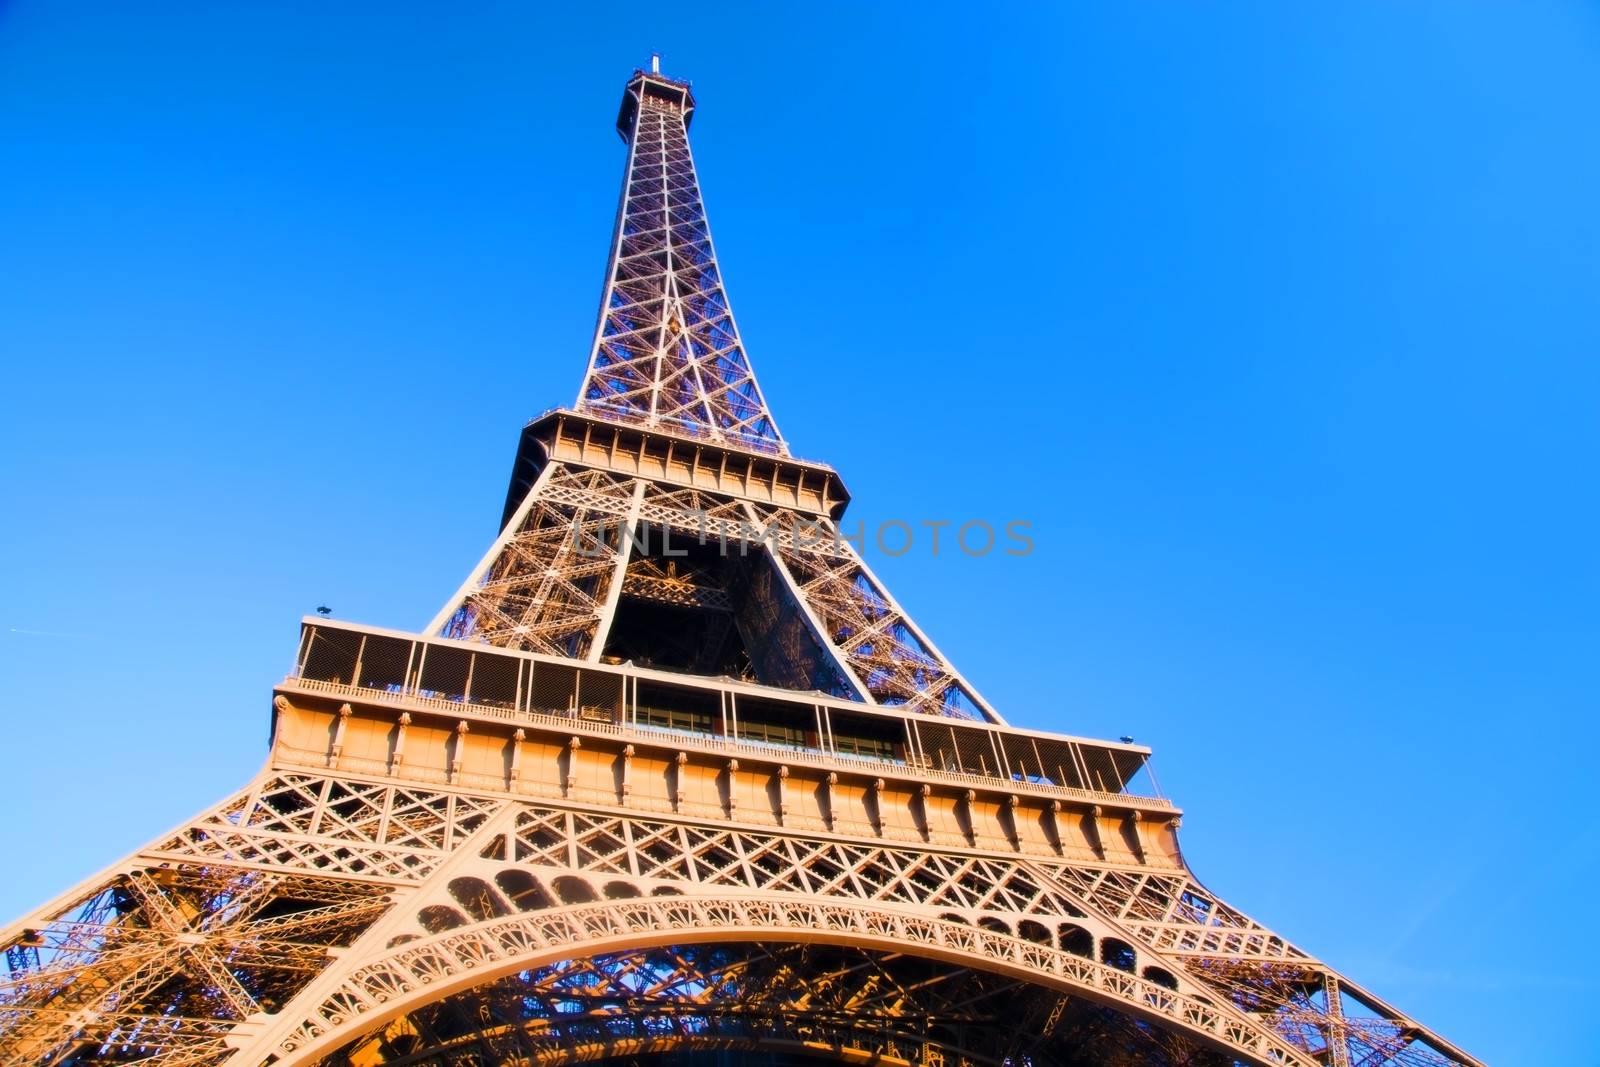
1276 321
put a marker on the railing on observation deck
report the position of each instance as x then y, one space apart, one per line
689 429
460 677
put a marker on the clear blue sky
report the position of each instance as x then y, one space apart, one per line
1276 320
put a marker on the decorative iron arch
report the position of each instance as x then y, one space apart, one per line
414 974
474 1026
600 1050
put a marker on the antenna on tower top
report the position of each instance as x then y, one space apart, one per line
655 62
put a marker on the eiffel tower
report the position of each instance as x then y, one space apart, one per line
672 777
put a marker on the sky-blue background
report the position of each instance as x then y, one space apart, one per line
1276 320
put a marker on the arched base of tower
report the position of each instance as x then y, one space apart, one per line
766 1004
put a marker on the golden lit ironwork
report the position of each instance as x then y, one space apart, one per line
671 773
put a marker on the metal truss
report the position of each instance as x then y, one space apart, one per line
882 646
381 832
549 579
162 963
421 971
540 878
287 923
679 584
1165 920
582 538
883 1007
667 352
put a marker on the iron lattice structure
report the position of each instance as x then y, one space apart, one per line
671 774
667 352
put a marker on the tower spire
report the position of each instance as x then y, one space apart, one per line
666 350
644 787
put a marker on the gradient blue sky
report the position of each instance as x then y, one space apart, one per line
1276 320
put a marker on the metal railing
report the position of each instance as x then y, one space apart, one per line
573 722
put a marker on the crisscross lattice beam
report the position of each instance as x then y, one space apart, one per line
667 352
503 892
424 971
849 1004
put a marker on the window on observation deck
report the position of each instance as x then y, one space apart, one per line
664 707
867 736
871 747
771 722
772 734
675 719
